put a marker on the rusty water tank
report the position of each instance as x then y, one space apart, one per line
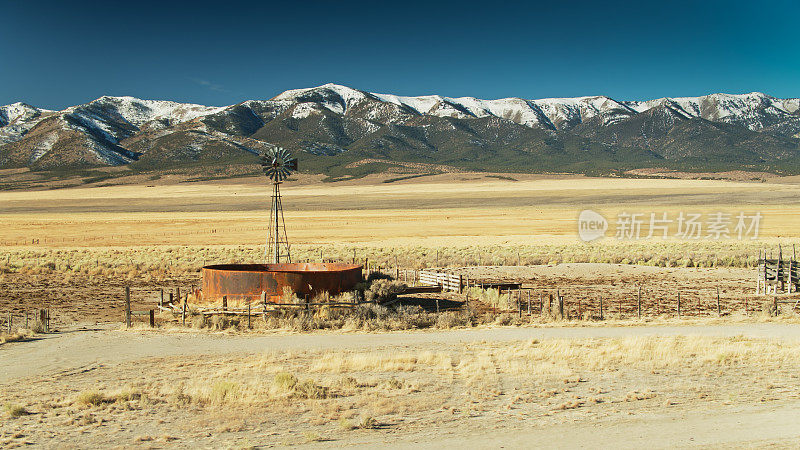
242 283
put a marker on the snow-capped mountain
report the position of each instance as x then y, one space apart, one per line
17 118
754 111
334 121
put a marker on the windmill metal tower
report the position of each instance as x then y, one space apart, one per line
278 164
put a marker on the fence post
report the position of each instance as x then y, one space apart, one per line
529 302
639 302
776 305
10 318
127 306
719 312
264 304
679 304
183 313
601 308
224 303
152 319
248 314
161 300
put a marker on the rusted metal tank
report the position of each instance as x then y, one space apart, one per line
242 283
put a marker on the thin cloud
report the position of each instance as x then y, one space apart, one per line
210 86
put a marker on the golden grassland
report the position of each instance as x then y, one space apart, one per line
287 397
164 262
427 213
98 239
447 220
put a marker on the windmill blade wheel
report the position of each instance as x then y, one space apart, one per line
277 163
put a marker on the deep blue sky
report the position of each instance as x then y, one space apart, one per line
56 54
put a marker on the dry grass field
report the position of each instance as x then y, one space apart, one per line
74 250
77 248
448 210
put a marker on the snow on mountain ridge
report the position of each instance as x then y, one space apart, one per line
138 112
116 118
549 112
326 95
754 110
553 113
17 119
18 111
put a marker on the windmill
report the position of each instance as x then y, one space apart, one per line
278 164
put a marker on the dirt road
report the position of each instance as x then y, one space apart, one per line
76 350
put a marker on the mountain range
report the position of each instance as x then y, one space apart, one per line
339 130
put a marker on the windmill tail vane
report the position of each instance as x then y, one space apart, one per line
277 164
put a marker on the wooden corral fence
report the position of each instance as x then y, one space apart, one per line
777 275
451 282
448 281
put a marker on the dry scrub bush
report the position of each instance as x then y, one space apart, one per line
364 423
382 362
223 392
493 298
15 411
367 422
92 398
221 322
346 424
250 389
19 336
289 297
383 290
284 381
363 317
454 319
207 392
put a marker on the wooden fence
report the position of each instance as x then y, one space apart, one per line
777 276
448 281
